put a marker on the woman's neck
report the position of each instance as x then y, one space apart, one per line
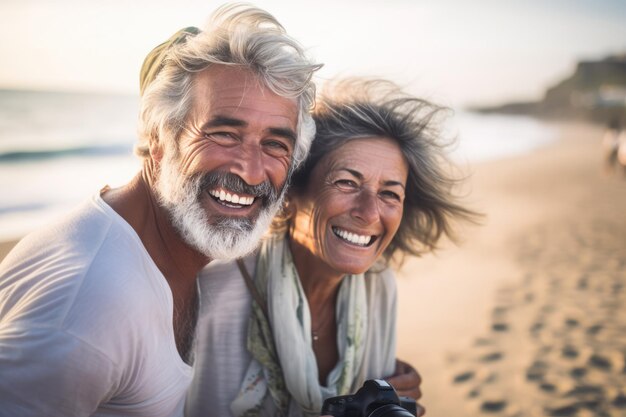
319 282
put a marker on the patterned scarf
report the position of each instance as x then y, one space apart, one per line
282 378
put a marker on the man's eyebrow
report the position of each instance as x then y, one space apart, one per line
389 183
224 121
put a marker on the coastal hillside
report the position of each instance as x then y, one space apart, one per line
596 91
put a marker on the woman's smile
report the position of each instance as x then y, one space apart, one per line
354 238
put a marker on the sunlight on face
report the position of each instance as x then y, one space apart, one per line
353 204
224 179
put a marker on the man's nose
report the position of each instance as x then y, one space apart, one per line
366 208
248 165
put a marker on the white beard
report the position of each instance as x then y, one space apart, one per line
229 238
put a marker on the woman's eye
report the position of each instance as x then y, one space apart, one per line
391 194
346 183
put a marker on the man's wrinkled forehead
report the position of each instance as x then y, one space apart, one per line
235 96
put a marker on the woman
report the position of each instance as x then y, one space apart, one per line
323 317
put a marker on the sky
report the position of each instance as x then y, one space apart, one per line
455 52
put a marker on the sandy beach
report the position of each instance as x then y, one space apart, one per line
527 317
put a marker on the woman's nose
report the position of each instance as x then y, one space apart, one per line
366 208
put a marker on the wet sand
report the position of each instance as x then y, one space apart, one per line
528 316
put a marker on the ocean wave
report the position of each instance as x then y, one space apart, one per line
21 208
21 155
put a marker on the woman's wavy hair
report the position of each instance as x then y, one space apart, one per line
358 108
235 35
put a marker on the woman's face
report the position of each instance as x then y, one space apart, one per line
353 204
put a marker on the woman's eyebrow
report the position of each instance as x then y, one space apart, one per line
388 183
392 183
357 174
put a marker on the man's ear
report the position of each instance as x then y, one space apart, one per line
156 150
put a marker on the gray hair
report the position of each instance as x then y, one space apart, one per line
364 108
236 35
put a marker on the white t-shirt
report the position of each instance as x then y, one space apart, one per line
221 357
86 324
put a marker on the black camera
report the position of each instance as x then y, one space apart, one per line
376 398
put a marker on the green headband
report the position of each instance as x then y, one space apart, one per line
155 60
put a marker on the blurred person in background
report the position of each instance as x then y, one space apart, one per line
611 144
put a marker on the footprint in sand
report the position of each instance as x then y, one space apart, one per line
619 401
463 377
537 327
594 329
493 406
599 361
547 387
491 357
536 371
563 408
500 327
569 352
578 372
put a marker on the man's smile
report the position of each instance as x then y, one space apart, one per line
231 199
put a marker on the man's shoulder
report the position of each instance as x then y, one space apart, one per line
85 261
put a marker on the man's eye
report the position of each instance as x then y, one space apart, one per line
276 147
220 137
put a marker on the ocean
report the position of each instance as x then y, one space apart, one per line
58 149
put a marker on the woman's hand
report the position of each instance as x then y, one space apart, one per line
406 381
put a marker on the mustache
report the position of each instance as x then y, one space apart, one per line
265 191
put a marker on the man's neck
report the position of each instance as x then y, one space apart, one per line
136 202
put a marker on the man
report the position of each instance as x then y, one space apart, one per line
97 312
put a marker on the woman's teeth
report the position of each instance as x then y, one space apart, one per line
353 237
231 198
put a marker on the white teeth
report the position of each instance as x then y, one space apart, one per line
353 237
232 198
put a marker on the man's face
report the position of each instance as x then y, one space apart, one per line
223 182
